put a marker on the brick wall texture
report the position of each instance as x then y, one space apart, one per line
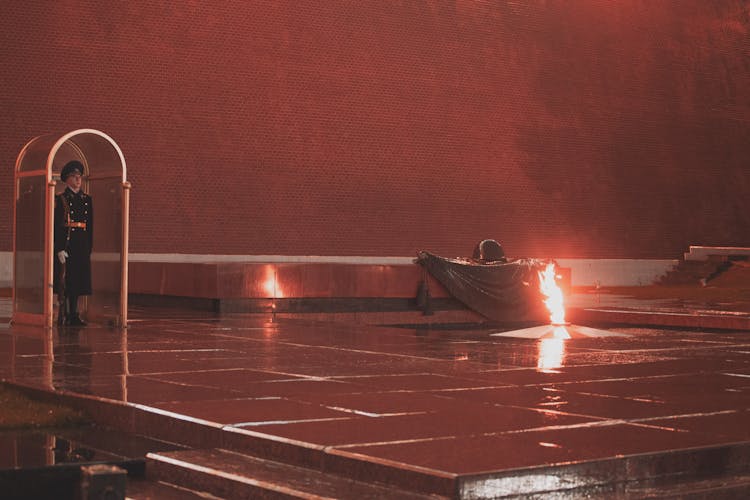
593 128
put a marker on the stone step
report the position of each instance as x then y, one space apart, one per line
692 272
144 489
730 487
229 474
697 252
725 488
48 463
708 472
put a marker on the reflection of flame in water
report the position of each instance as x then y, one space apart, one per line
269 331
554 301
552 350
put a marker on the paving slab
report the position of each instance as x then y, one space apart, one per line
403 405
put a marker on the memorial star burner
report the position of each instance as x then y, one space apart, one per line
557 328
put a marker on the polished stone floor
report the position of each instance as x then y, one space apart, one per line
449 402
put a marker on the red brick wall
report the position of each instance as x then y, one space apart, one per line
569 129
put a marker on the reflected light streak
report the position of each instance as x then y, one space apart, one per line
270 332
552 350
549 445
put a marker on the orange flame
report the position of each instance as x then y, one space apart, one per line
271 284
553 292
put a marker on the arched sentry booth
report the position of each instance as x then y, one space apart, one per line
37 176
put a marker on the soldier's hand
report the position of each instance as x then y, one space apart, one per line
61 256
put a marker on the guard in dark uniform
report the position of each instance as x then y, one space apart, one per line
74 237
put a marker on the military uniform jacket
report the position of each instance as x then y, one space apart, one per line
74 233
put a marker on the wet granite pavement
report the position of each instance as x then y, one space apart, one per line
459 405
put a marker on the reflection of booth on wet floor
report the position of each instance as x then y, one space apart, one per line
36 182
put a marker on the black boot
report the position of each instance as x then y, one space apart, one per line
76 320
73 318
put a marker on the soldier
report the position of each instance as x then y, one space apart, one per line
74 237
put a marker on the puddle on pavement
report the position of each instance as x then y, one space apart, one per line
40 448
25 449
